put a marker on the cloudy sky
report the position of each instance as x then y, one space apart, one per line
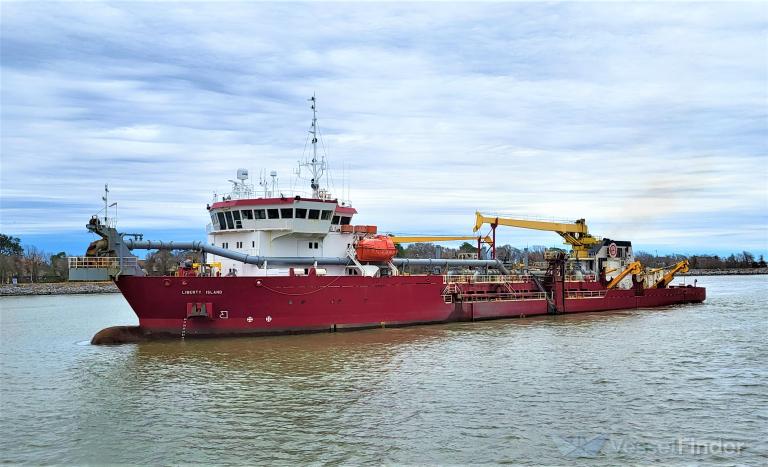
649 120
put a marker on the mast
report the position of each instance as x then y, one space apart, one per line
106 203
316 166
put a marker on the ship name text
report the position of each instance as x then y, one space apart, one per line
201 292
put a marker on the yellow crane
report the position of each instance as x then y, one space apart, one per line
682 266
437 238
632 268
575 234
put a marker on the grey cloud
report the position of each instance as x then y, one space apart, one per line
587 110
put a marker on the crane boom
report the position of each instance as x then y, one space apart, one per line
437 238
632 268
576 227
682 266
575 234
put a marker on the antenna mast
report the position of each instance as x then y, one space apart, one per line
273 174
106 204
265 184
317 167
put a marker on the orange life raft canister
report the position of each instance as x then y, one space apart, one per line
378 248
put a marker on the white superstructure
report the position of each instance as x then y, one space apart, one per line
280 226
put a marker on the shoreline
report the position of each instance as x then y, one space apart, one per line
725 272
57 288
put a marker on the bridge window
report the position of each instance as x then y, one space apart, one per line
301 213
314 214
325 215
286 213
230 224
247 214
260 213
335 220
238 222
345 220
273 213
222 222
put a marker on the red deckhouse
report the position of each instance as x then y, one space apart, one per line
277 262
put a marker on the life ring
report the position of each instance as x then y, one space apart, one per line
613 250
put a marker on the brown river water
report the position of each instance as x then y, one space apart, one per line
678 385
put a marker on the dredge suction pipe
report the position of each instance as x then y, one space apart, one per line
252 259
242 257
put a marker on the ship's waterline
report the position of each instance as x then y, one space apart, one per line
679 384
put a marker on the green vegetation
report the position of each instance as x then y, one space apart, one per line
10 246
29 264
743 260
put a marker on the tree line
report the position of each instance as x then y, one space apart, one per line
30 264
511 255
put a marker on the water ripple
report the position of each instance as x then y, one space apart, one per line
650 385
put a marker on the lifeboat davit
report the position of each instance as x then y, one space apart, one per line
378 248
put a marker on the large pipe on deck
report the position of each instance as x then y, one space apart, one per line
251 259
242 257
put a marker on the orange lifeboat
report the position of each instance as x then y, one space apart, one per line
378 248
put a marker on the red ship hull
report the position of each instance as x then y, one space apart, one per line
210 306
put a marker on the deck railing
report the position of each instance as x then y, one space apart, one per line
585 294
506 279
495 297
485 279
582 278
104 262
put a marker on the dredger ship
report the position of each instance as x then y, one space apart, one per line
276 264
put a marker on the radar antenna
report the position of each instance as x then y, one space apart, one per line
241 189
